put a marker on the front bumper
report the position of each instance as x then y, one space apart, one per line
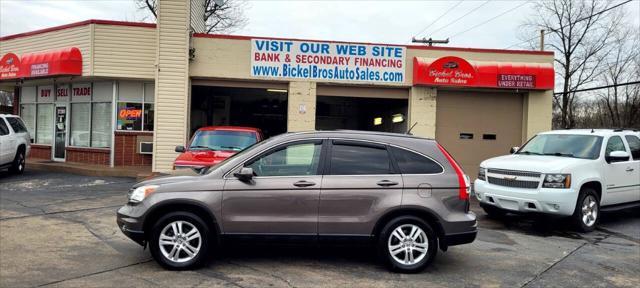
542 200
130 224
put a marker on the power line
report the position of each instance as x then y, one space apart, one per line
600 87
440 17
458 19
579 20
491 19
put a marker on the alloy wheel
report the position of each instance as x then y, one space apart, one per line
180 241
589 210
408 244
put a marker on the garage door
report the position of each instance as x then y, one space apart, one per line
475 126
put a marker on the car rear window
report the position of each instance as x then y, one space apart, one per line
634 145
359 160
16 124
413 163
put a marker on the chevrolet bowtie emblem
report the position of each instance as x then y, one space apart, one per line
510 178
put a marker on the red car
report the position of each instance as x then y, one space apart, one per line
210 145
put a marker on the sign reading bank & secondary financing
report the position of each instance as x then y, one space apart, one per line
327 61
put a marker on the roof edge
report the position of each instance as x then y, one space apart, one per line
78 24
465 49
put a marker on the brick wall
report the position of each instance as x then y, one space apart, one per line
88 155
40 151
126 149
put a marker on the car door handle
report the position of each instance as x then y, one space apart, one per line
629 169
386 183
303 183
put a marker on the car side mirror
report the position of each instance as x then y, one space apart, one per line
618 156
514 149
180 149
245 174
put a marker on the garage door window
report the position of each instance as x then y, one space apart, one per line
359 160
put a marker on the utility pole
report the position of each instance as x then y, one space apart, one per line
429 41
542 40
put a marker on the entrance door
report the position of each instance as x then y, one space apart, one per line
60 132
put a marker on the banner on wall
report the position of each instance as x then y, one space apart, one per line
327 61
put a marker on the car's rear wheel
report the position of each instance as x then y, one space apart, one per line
493 211
18 163
407 244
180 241
587 211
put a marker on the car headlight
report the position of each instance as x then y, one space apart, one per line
141 192
482 174
557 181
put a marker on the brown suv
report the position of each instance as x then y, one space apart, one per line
403 193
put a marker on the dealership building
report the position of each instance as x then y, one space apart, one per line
125 94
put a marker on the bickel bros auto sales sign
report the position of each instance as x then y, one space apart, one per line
327 61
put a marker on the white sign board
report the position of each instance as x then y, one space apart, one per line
327 61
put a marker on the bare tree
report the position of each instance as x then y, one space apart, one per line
579 33
621 65
225 18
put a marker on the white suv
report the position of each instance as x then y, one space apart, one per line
15 143
564 172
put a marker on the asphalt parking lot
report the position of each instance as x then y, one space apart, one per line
58 230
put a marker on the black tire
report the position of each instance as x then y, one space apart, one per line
493 211
578 216
205 241
19 162
384 242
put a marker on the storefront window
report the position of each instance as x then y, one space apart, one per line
44 126
101 125
80 117
135 106
148 117
28 115
129 116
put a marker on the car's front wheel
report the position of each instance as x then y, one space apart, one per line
180 241
587 212
407 244
18 164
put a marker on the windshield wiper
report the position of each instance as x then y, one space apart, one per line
559 154
231 147
528 153
201 147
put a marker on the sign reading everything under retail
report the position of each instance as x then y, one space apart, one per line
327 61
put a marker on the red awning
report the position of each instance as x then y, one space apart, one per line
457 72
62 62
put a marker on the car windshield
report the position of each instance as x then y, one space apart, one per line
563 145
222 140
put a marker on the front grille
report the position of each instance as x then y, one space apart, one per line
514 183
515 173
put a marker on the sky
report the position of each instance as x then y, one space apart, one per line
394 22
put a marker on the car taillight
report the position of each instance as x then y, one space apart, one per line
463 182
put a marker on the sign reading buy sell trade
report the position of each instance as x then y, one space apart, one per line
327 61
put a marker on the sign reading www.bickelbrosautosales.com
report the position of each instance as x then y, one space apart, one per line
327 61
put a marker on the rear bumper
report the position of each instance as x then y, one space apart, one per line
462 230
459 238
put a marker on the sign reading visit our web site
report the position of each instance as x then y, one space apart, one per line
327 61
